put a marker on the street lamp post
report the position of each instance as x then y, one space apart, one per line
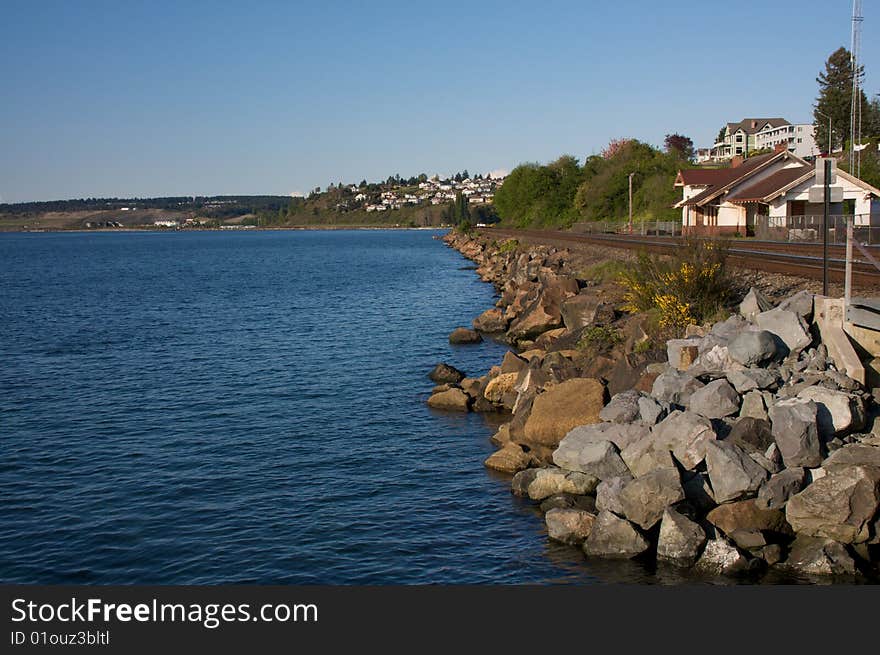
829 129
631 202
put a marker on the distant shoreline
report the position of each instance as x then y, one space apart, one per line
274 228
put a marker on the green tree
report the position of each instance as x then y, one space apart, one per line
835 100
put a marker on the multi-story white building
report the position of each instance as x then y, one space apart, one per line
798 138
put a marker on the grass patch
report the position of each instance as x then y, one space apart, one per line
510 245
606 271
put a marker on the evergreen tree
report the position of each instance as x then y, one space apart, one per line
835 100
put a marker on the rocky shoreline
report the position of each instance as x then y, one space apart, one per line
736 448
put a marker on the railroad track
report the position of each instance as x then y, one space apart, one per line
798 259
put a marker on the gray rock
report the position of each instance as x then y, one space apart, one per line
453 399
729 328
686 435
645 498
622 408
776 491
753 304
753 406
680 540
674 386
650 411
751 434
600 459
720 557
643 457
856 454
443 373
788 326
620 434
715 400
539 484
569 501
750 379
838 412
765 463
681 353
840 506
796 432
755 348
614 537
570 526
608 494
817 556
732 473
800 303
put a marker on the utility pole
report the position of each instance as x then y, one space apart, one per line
826 210
631 202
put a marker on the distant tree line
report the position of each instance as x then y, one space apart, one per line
208 206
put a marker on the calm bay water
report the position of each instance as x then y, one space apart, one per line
248 407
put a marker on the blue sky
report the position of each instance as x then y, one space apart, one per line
201 98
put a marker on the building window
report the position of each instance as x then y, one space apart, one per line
739 138
739 150
800 140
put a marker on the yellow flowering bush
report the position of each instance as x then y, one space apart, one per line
687 287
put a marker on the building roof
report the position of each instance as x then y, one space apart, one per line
697 176
752 125
763 190
726 177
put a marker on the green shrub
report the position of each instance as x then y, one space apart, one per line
508 246
599 338
688 287
605 271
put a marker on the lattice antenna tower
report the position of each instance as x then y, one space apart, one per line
855 114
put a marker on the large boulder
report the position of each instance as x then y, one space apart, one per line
599 459
720 557
643 457
686 435
511 458
753 304
650 411
681 353
453 399
544 313
542 483
674 386
745 515
513 363
585 309
608 494
680 539
775 492
840 506
796 431
614 537
570 526
838 412
750 379
500 386
715 400
462 335
788 326
644 499
755 348
732 472
621 435
818 556
800 303
753 406
751 434
622 408
443 373
856 454
563 407
491 321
